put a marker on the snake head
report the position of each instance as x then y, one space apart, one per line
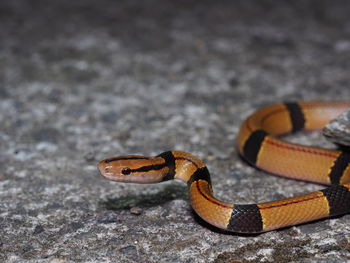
133 169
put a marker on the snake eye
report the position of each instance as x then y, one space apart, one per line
126 171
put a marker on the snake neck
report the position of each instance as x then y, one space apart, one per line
185 167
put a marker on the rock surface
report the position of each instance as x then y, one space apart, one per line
84 80
338 130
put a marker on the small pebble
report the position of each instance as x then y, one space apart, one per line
136 210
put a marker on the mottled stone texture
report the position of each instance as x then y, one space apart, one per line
84 80
338 130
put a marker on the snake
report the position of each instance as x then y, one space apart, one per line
259 142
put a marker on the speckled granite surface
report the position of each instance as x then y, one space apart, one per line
338 130
83 80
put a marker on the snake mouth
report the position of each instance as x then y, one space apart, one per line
104 170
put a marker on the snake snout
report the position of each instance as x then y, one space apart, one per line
104 168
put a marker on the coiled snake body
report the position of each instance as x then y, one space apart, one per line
258 143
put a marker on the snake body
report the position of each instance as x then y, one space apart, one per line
258 144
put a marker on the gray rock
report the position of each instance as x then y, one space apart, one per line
338 130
